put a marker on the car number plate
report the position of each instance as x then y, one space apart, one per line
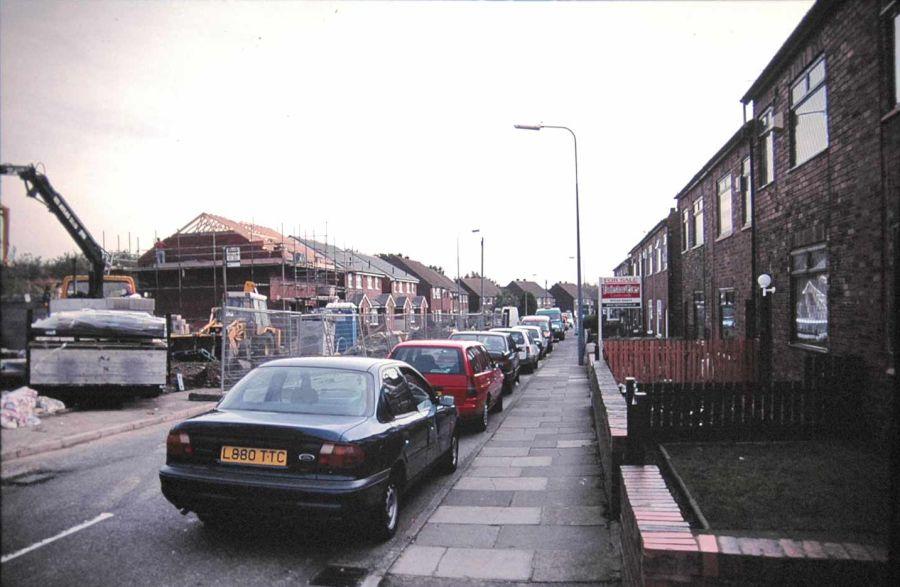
265 457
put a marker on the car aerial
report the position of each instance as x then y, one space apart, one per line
502 349
529 354
336 436
556 321
535 335
542 322
460 368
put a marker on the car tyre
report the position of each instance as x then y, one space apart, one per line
482 423
450 459
385 516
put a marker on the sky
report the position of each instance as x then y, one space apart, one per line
391 123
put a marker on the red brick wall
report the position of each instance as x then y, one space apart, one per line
721 262
838 197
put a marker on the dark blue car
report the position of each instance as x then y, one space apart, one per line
333 436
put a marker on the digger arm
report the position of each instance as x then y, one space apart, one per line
39 188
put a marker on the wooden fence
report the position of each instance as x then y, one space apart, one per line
688 361
823 404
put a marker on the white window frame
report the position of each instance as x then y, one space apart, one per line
746 193
767 146
727 194
697 216
687 223
810 88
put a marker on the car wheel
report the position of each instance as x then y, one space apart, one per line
386 512
450 460
482 423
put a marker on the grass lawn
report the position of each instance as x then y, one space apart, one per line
811 488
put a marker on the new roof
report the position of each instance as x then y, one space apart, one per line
420 270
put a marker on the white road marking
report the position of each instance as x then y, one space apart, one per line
63 534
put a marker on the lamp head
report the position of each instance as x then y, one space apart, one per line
528 126
764 280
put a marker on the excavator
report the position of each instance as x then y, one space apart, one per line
98 283
250 334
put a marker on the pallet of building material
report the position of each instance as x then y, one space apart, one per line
101 324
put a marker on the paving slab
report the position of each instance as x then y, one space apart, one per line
590 538
502 484
505 451
567 566
418 560
492 516
490 498
458 535
574 515
486 563
494 472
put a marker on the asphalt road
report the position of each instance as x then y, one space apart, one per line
147 542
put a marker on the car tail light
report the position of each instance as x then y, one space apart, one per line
340 456
471 390
178 444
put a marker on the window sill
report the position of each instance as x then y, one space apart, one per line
724 236
813 158
747 226
808 347
891 114
697 246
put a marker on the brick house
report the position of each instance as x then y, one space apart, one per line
438 289
471 287
713 225
826 167
656 261
358 274
518 287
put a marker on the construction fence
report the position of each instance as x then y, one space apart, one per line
252 337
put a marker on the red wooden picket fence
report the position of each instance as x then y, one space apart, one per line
682 361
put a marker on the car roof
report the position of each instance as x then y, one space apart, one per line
347 363
537 318
445 343
478 332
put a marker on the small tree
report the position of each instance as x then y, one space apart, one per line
527 304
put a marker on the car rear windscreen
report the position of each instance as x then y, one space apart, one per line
494 343
303 390
431 360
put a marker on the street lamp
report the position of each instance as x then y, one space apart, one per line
481 299
577 229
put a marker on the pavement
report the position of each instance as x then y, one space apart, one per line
74 427
530 508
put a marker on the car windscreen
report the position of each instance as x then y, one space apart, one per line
431 360
303 390
494 343
517 336
542 324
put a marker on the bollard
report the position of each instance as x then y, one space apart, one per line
630 385
638 426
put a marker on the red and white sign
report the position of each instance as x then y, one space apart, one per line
620 292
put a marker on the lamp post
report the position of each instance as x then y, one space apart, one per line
577 229
481 299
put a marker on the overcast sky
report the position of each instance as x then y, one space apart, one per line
390 122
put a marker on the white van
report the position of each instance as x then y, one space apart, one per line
509 316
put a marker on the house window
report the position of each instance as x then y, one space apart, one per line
724 210
686 227
809 291
659 316
649 316
746 201
659 264
358 281
665 251
766 147
727 328
698 222
809 114
699 315
373 317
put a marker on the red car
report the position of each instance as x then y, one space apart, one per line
461 368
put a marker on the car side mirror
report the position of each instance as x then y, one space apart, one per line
447 401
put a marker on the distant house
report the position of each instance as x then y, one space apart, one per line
566 296
437 288
471 287
518 288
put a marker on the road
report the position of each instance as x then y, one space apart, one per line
147 542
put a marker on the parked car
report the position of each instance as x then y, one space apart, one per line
529 354
460 368
502 349
534 334
542 322
556 322
327 435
